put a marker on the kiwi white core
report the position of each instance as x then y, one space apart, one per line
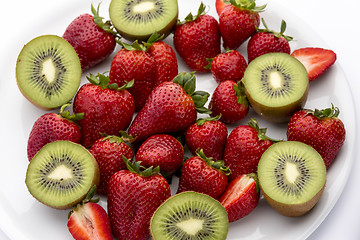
61 173
191 226
291 172
276 80
143 7
49 70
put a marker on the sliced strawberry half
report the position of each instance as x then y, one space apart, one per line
315 60
220 4
241 196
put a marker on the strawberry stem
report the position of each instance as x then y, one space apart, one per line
103 81
332 112
248 5
66 114
261 131
276 34
219 164
201 121
136 167
106 26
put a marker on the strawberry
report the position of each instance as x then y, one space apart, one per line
241 196
316 60
171 107
108 152
229 101
92 39
238 22
229 65
133 197
133 62
202 174
108 108
267 41
208 134
89 221
321 129
244 147
220 4
196 39
161 150
51 127
165 59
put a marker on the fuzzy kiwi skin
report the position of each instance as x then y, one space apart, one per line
96 180
293 210
277 114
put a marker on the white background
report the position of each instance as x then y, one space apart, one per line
335 21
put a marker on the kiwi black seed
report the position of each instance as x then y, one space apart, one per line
190 216
276 85
61 174
138 19
48 71
292 177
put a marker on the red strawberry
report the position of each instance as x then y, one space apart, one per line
244 147
238 21
220 4
133 62
229 65
241 196
89 221
108 152
203 175
197 39
209 135
229 101
92 39
267 41
321 129
165 59
161 150
133 197
316 60
51 127
108 109
171 107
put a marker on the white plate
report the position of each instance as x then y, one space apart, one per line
22 217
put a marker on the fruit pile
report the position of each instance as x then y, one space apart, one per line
131 131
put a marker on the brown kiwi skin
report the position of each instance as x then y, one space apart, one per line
277 114
96 181
294 210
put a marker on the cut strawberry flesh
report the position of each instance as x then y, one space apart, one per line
315 60
237 188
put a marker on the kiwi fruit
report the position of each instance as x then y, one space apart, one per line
190 216
292 177
276 85
139 19
61 174
48 71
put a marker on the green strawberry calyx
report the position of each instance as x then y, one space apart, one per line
261 131
103 81
248 5
123 138
332 112
66 114
88 198
136 167
276 34
240 94
107 25
219 164
188 82
143 46
201 121
190 17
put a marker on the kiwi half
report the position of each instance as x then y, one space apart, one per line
61 174
138 19
276 85
292 177
48 71
189 216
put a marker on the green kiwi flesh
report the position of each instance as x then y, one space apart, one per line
190 215
276 85
292 177
138 19
48 71
61 174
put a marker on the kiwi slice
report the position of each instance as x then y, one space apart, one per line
292 177
189 216
276 85
61 174
48 71
138 19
